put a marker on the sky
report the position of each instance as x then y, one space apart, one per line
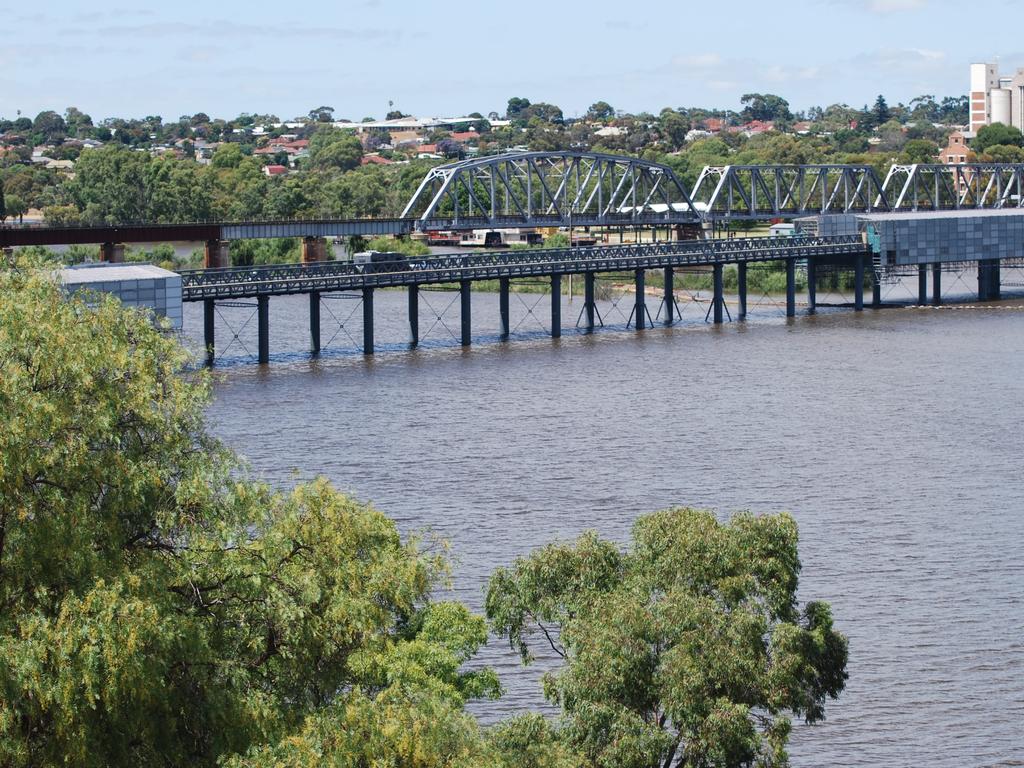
449 59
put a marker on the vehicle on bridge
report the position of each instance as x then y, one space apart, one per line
369 262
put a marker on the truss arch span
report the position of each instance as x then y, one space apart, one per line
551 189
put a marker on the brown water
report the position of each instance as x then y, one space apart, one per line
894 437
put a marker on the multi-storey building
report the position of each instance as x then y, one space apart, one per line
996 99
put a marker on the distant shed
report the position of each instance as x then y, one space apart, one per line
136 285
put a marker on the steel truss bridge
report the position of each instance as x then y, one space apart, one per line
584 189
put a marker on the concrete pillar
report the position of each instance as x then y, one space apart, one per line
719 300
112 253
367 320
314 322
922 284
589 305
556 306
812 286
670 298
640 307
741 288
936 284
263 326
314 249
217 254
465 295
858 284
876 290
790 287
503 291
989 288
209 315
414 315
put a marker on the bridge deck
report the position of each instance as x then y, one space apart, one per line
274 280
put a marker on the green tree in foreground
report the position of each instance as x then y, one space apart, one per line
997 134
688 650
157 612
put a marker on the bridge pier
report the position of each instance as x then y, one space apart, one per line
414 315
922 284
112 253
741 288
936 284
790 287
503 290
367 320
209 326
263 327
858 283
989 288
465 303
718 303
812 286
640 305
556 306
670 298
876 290
589 304
314 249
314 322
216 254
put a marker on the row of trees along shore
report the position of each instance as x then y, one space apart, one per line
159 608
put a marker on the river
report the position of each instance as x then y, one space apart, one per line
893 436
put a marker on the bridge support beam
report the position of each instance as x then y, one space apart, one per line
216 254
719 299
589 304
812 286
556 306
414 315
209 326
367 321
503 291
670 297
112 253
314 322
988 280
858 283
790 287
465 302
741 288
922 284
263 326
314 249
640 305
936 284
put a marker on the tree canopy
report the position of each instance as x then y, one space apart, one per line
997 134
687 650
159 611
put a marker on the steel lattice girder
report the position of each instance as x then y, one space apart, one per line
937 187
778 191
569 187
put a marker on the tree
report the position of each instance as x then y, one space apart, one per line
687 650
16 208
1003 153
451 148
158 610
110 185
919 151
600 110
321 114
334 148
516 106
396 114
765 106
880 112
3 203
997 133
49 126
